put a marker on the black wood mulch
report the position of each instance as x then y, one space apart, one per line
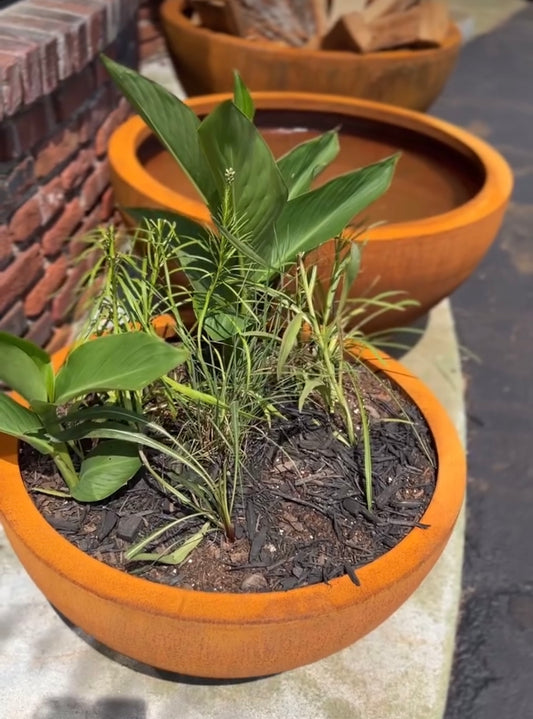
301 517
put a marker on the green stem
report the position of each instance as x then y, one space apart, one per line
63 462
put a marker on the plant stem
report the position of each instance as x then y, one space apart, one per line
63 462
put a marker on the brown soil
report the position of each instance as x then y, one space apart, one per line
300 518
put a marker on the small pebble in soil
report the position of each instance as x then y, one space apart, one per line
254 583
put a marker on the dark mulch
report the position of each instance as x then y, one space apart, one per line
300 519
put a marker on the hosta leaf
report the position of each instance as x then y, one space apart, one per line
128 361
234 148
309 220
25 368
17 421
109 466
173 122
303 163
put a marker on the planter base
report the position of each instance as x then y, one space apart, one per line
78 676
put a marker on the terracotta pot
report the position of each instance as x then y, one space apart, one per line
234 635
205 62
442 212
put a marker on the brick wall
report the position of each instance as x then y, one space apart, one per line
57 111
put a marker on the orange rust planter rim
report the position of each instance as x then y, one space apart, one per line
496 188
18 511
171 10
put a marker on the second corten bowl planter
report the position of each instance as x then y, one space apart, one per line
440 216
205 62
234 635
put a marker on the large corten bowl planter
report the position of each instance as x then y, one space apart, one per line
442 212
205 62
234 635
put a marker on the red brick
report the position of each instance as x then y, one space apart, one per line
90 120
10 82
19 276
95 184
31 28
32 126
9 144
90 221
63 228
41 330
6 245
109 126
73 27
14 185
26 220
73 93
65 301
58 149
77 170
61 337
51 199
27 54
107 205
41 294
14 320
69 35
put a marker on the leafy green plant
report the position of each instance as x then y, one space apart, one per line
57 418
264 211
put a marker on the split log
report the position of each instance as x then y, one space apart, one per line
425 23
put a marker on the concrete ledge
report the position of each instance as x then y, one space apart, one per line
49 670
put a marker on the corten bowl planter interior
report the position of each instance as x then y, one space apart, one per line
205 61
441 214
234 635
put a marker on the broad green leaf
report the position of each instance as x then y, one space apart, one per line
180 554
17 421
309 220
172 121
242 164
290 337
181 455
241 96
103 412
303 163
25 368
106 469
127 362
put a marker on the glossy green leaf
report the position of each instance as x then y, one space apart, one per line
241 97
25 368
242 163
17 421
171 120
107 468
128 361
309 220
303 163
